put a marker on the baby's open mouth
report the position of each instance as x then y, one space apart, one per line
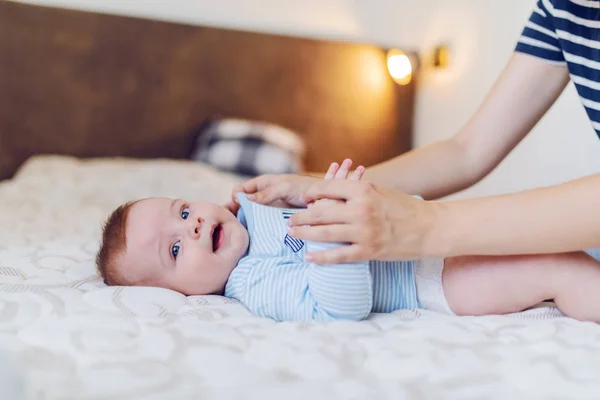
217 237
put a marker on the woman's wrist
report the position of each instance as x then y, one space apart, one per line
551 219
438 240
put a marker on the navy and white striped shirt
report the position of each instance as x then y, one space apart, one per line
273 280
567 32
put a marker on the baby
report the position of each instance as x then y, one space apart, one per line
200 248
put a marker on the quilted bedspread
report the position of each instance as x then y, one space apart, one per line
71 337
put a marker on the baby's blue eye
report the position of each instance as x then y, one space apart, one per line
185 213
175 249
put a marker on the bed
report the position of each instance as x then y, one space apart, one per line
74 338
65 335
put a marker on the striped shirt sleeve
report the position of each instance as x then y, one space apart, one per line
342 291
304 291
539 36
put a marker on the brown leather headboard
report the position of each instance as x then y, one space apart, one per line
90 84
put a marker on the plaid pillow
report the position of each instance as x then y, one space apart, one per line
248 148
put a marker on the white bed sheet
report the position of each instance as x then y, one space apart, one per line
74 338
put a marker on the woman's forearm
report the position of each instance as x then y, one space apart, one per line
553 219
522 94
432 171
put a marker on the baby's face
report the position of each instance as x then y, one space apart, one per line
184 246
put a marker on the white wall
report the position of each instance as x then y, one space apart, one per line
561 147
482 35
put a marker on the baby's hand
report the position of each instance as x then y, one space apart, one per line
336 171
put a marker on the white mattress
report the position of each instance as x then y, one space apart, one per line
74 338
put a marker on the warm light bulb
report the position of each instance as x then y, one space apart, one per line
399 66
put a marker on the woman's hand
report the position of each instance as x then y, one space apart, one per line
273 190
378 223
285 190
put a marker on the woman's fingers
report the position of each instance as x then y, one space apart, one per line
337 233
255 184
327 212
268 189
382 224
337 189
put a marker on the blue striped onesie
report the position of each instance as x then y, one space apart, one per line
273 280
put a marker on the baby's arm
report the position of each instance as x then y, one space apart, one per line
340 291
303 291
483 285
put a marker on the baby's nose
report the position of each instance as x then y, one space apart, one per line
196 225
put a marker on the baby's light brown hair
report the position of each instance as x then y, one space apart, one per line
114 242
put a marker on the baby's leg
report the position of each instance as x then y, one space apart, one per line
482 285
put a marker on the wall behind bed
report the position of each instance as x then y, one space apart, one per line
482 35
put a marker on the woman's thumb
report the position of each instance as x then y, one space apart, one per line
265 196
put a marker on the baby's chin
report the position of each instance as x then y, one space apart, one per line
200 286
197 291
